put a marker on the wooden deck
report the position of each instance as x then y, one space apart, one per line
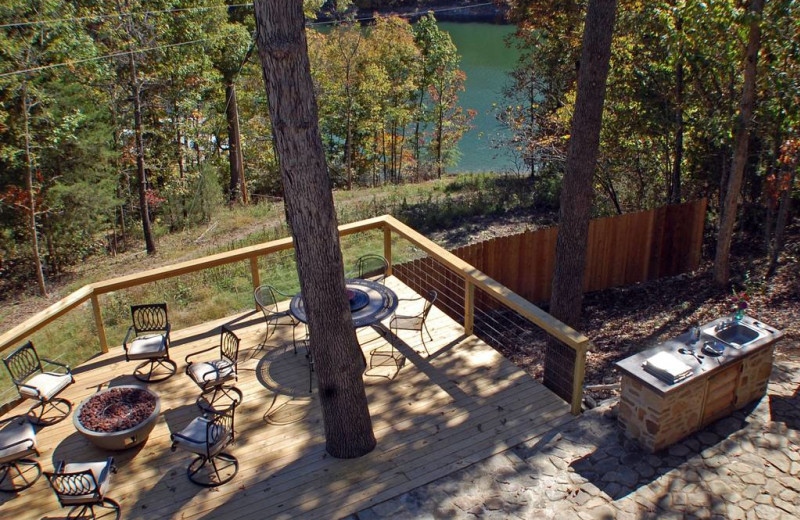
436 415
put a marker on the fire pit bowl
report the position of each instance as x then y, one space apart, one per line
118 418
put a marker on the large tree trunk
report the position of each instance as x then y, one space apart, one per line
234 145
141 177
743 123
576 190
293 110
37 258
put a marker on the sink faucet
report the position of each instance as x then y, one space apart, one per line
694 334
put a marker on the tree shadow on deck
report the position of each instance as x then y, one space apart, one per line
428 423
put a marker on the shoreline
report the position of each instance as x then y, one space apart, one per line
464 11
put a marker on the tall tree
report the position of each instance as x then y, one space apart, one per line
743 123
309 201
576 189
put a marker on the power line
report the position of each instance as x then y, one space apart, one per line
112 55
148 49
117 15
406 15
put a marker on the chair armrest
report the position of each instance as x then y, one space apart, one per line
199 352
22 419
130 333
56 363
33 388
282 293
23 441
186 437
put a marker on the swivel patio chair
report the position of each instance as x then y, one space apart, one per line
373 267
214 377
82 486
17 443
206 437
33 382
266 298
148 339
417 321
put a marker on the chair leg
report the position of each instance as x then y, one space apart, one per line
213 477
62 407
144 372
110 510
23 472
422 337
209 400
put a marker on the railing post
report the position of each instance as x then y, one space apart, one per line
98 321
387 247
254 272
577 377
469 307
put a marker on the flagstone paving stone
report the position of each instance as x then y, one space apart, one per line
743 467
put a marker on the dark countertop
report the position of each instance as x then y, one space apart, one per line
632 366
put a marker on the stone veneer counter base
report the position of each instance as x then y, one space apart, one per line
657 414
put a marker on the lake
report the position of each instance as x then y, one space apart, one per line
486 61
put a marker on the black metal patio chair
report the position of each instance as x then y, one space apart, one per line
266 297
214 376
34 382
148 339
82 486
415 322
17 444
207 437
373 267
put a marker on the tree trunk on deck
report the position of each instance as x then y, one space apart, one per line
293 110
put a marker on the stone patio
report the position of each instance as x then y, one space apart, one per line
746 466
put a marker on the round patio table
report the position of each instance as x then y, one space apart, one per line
371 302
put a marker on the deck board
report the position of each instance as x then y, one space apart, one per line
438 414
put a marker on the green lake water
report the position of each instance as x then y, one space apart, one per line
486 61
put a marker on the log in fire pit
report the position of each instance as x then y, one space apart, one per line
118 418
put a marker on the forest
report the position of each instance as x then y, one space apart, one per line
124 121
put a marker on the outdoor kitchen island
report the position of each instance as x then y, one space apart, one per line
709 383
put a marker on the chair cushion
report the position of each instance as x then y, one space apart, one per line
197 432
49 385
148 347
407 322
19 431
211 372
102 474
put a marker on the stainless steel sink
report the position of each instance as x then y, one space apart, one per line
736 334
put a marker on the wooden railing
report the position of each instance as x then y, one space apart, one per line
472 278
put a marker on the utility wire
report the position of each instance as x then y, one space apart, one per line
105 56
148 49
117 15
206 8
406 15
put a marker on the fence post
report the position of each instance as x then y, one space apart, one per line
387 248
577 377
254 272
469 307
98 321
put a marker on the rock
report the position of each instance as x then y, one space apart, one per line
754 478
765 512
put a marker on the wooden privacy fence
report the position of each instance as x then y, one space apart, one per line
622 250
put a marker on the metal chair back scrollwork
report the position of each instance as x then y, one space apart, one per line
151 317
82 486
